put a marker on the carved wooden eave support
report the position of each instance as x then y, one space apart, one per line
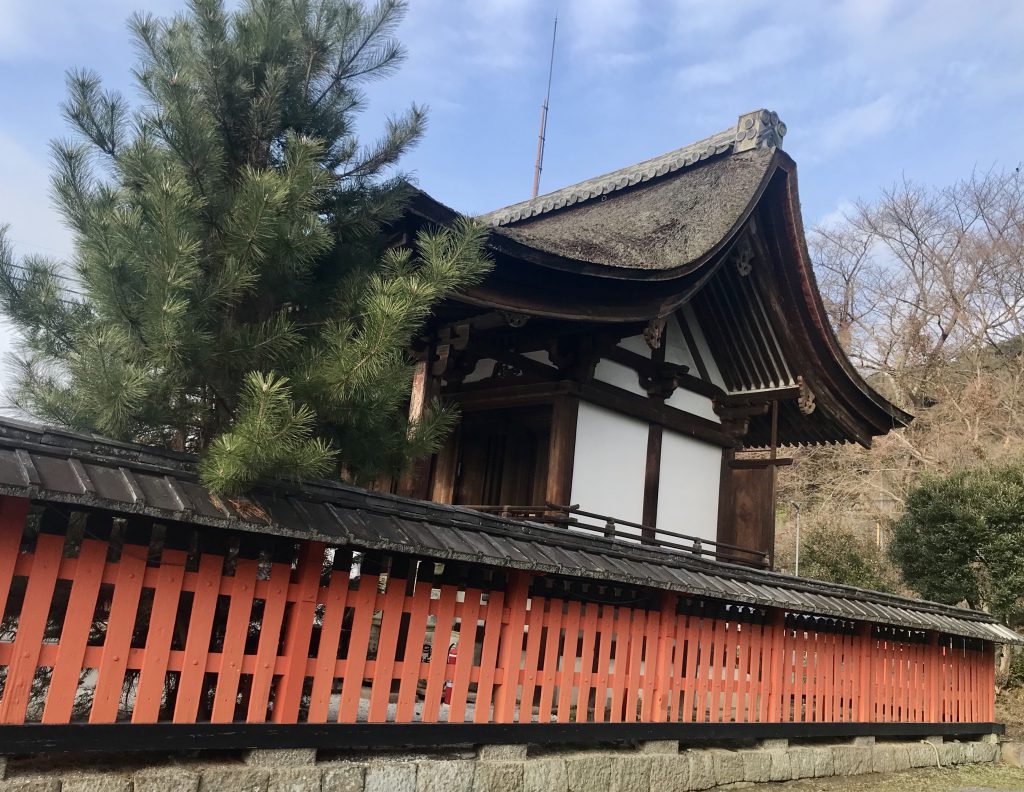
661 379
576 357
736 419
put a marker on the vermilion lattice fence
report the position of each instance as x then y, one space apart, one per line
106 620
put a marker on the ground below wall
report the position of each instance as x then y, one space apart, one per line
648 767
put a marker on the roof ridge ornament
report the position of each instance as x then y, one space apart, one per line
759 129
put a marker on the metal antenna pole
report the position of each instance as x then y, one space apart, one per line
544 116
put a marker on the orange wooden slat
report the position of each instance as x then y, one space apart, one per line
661 694
197 641
225 698
364 604
772 688
637 630
153 675
275 597
488 657
689 695
623 622
31 628
120 625
730 663
13 513
649 668
443 625
298 630
549 671
327 649
531 664
589 627
392 608
510 650
413 652
606 638
464 659
567 674
74 635
705 660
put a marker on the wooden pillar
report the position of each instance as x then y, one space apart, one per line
415 482
652 480
562 449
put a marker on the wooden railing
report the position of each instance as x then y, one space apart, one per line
105 620
628 531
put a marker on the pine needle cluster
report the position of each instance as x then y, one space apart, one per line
234 291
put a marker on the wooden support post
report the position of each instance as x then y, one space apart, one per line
663 667
562 449
652 481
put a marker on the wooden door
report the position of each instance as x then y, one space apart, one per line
746 509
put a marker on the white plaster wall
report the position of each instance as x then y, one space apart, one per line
483 369
636 344
688 486
610 463
540 357
693 403
618 375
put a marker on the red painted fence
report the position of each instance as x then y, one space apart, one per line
104 620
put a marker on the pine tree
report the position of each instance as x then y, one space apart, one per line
233 292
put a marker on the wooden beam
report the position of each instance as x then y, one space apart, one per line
415 482
652 478
652 411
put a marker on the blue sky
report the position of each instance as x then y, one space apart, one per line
871 90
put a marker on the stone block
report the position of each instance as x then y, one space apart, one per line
824 762
1012 753
801 763
545 775
660 747
498 777
780 768
982 751
3 767
773 745
280 757
96 782
952 753
452 775
295 779
901 756
863 740
630 774
237 778
670 773
883 759
852 759
728 766
165 779
391 777
343 777
923 754
702 769
586 773
757 766
30 784
502 753
989 738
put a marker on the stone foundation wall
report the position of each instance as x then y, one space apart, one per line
648 767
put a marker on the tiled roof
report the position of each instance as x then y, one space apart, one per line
57 466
